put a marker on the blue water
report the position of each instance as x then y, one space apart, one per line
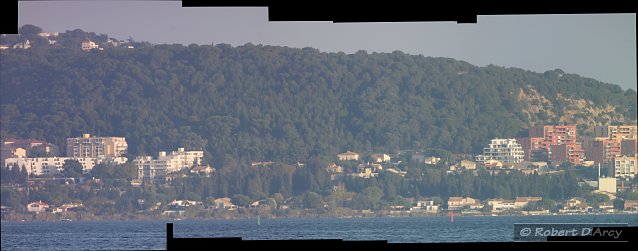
130 235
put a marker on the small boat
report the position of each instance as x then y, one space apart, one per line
66 219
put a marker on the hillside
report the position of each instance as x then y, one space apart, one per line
276 103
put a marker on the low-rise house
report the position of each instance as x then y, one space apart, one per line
467 164
335 171
425 205
261 164
5 209
48 34
171 176
25 45
396 171
397 210
174 213
521 202
458 203
463 165
183 204
37 207
500 205
348 156
113 42
334 168
24 148
136 182
432 160
206 170
366 173
89 45
631 205
224 203
606 207
493 164
380 157
574 201
575 205
68 207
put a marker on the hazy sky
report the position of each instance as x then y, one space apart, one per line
597 46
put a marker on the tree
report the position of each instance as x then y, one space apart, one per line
29 29
595 199
15 174
102 171
72 169
374 195
5 174
169 95
241 200
547 204
312 200
23 175
628 195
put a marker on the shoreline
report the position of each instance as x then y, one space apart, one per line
121 218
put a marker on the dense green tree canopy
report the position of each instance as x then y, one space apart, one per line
259 102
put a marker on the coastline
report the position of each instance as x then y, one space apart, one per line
19 217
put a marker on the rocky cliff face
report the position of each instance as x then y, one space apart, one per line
564 110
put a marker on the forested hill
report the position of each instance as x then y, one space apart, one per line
276 103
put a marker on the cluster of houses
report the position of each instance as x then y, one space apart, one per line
615 147
463 205
52 38
91 150
611 146
87 150
41 207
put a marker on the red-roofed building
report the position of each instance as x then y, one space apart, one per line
32 147
558 143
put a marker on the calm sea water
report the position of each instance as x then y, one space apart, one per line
130 235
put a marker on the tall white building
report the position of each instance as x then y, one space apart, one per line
54 165
150 169
96 147
503 150
625 167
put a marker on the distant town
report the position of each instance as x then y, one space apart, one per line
33 166
86 45
549 170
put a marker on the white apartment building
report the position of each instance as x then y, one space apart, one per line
54 165
503 150
624 167
150 169
96 147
